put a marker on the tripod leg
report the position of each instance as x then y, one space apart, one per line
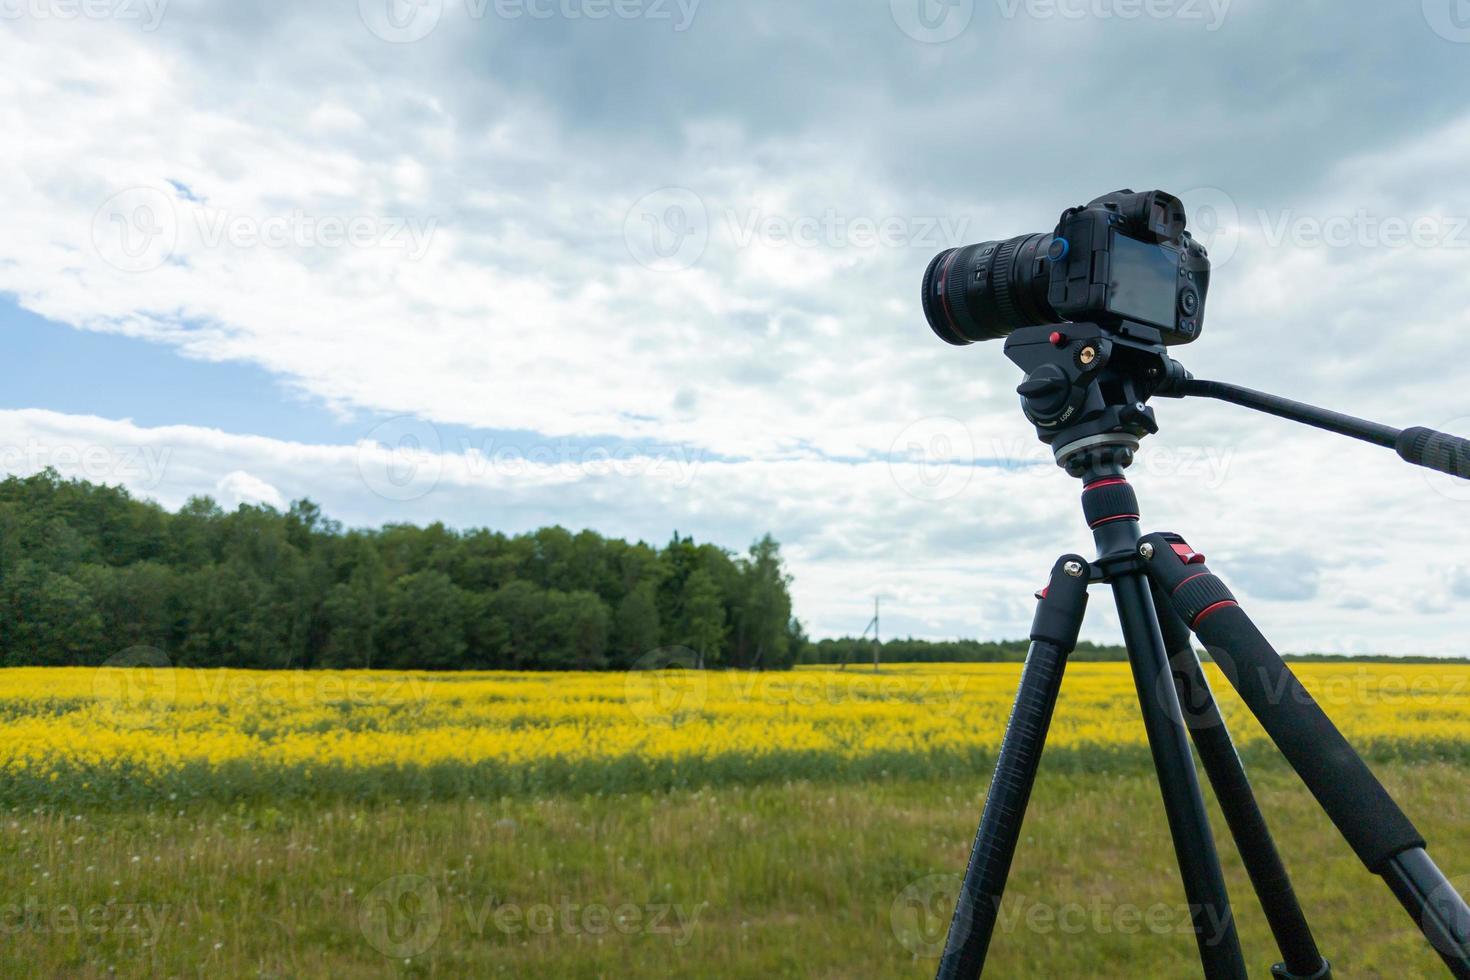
1373 825
1233 790
1053 637
1112 512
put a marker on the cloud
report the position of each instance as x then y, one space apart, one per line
1460 582
711 239
1290 577
956 556
238 487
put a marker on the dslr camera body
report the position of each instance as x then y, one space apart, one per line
1089 312
1124 262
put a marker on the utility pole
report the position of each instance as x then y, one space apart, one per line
877 643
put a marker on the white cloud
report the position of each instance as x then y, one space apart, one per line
963 565
491 284
238 487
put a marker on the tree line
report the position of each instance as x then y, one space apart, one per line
88 571
857 651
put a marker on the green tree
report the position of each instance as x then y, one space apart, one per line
704 617
137 604
86 571
423 626
635 626
52 620
350 617
574 628
765 618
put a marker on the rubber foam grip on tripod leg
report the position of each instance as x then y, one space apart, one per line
1435 450
1354 799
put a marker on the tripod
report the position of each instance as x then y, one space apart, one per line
1086 392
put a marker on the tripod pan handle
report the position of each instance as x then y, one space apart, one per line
1436 450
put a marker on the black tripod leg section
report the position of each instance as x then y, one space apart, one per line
1383 838
1053 637
1302 960
1112 512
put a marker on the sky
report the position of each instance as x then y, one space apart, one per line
647 266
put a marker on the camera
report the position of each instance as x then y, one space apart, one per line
1123 261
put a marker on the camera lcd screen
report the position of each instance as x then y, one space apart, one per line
1143 281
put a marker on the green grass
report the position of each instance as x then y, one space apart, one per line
772 880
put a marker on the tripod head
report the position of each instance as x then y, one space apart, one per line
1087 390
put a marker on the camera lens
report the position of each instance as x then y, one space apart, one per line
985 291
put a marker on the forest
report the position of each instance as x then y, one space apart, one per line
857 652
87 573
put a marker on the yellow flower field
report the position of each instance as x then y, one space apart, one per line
111 732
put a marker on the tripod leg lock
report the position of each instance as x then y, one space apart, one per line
1354 799
1191 588
1058 619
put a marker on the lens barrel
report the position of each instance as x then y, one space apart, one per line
985 291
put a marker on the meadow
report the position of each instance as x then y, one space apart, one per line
165 822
